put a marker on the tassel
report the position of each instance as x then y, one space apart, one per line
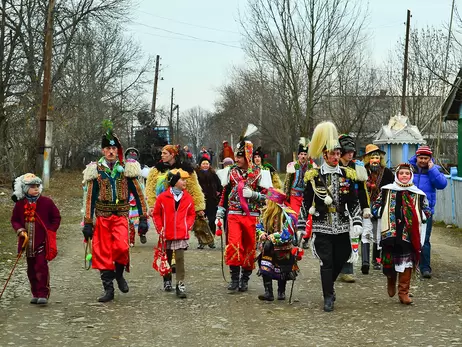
328 200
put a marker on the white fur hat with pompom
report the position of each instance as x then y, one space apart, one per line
22 182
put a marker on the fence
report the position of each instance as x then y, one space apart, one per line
448 201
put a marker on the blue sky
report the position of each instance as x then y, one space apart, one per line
197 69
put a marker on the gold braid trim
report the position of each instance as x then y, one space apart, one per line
350 173
310 175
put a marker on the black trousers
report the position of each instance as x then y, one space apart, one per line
333 251
211 213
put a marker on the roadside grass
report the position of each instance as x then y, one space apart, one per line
65 190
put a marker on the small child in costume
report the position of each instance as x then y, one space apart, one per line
276 233
34 214
403 208
174 217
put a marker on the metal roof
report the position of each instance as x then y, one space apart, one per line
399 131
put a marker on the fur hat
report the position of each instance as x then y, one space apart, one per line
259 152
347 143
22 183
205 157
303 145
228 161
110 139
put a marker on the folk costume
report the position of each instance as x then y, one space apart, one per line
276 260
32 216
107 189
275 180
349 146
134 216
242 198
378 175
174 217
331 198
403 210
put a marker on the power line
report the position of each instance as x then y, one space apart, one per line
190 24
186 35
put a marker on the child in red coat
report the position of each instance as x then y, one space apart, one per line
174 217
32 215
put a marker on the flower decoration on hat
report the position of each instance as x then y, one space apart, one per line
109 139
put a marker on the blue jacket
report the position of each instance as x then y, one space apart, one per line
428 181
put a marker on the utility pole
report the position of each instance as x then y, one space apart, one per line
170 121
46 130
177 107
406 51
154 94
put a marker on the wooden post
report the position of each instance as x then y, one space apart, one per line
406 52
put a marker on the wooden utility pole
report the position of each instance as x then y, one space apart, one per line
45 132
170 121
406 52
177 123
154 94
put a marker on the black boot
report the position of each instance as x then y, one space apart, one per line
268 284
282 289
119 276
244 282
375 256
168 283
365 254
107 277
234 271
328 289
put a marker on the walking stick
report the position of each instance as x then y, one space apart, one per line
88 254
26 240
220 233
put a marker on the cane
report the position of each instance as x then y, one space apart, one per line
26 240
219 232
88 254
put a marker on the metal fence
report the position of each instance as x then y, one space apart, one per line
448 201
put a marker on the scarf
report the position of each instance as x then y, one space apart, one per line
327 169
32 199
177 193
411 223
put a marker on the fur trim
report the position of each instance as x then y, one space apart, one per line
277 183
21 181
361 173
132 168
311 174
91 172
223 175
290 167
151 184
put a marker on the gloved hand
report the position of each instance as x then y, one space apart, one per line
367 213
250 194
219 219
88 231
143 226
356 231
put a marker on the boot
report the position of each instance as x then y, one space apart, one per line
328 289
376 260
244 282
403 286
234 271
391 284
119 276
365 254
268 285
181 290
107 277
282 289
168 283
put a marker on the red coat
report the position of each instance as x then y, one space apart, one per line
175 223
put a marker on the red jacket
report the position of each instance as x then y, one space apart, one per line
176 224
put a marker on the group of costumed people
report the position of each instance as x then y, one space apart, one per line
331 206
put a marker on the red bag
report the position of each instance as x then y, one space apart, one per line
160 263
51 246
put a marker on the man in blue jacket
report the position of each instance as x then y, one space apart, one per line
427 177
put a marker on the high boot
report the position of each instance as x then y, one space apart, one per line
403 286
327 289
391 284
282 289
234 284
107 277
376 256
119 276
268 285
365 255
244 282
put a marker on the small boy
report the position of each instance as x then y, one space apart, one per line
32 215
174 217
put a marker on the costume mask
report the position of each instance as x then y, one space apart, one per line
374 162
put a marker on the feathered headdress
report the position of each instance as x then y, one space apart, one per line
110 139
325 138
303 145
244 147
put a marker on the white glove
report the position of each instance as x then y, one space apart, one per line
356 231
247 192
366 213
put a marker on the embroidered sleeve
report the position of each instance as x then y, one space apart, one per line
91 190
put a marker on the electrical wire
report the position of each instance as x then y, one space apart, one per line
190 24
185 35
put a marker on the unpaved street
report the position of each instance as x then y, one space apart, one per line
146 316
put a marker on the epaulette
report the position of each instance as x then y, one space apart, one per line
311 174
91 172
132 168
350 173
361 173
290 167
